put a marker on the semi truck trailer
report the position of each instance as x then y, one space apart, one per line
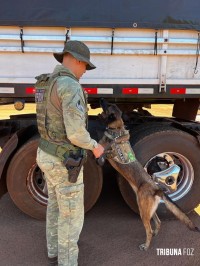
146 53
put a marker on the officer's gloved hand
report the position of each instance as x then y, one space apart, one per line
98 151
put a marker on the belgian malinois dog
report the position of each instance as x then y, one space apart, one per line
121 156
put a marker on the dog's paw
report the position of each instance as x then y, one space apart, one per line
143 247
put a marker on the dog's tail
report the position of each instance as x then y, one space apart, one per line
179 214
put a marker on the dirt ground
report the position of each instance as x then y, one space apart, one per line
110 237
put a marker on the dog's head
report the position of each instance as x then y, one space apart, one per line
111 115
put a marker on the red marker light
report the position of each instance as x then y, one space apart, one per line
177 90
91 90
30 90
130 91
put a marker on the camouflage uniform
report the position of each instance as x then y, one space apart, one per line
65 211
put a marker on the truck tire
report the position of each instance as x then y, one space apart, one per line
185 150
26 185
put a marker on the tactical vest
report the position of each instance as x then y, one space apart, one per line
53 136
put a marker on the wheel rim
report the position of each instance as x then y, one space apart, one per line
36 185
186 175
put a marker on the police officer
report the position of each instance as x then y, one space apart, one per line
61 116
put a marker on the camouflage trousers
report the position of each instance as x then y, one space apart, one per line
65 210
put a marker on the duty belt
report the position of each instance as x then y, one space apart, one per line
62 151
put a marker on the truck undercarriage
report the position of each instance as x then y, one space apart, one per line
160 144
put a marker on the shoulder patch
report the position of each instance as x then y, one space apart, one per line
79 106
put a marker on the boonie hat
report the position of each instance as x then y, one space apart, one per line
79 50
